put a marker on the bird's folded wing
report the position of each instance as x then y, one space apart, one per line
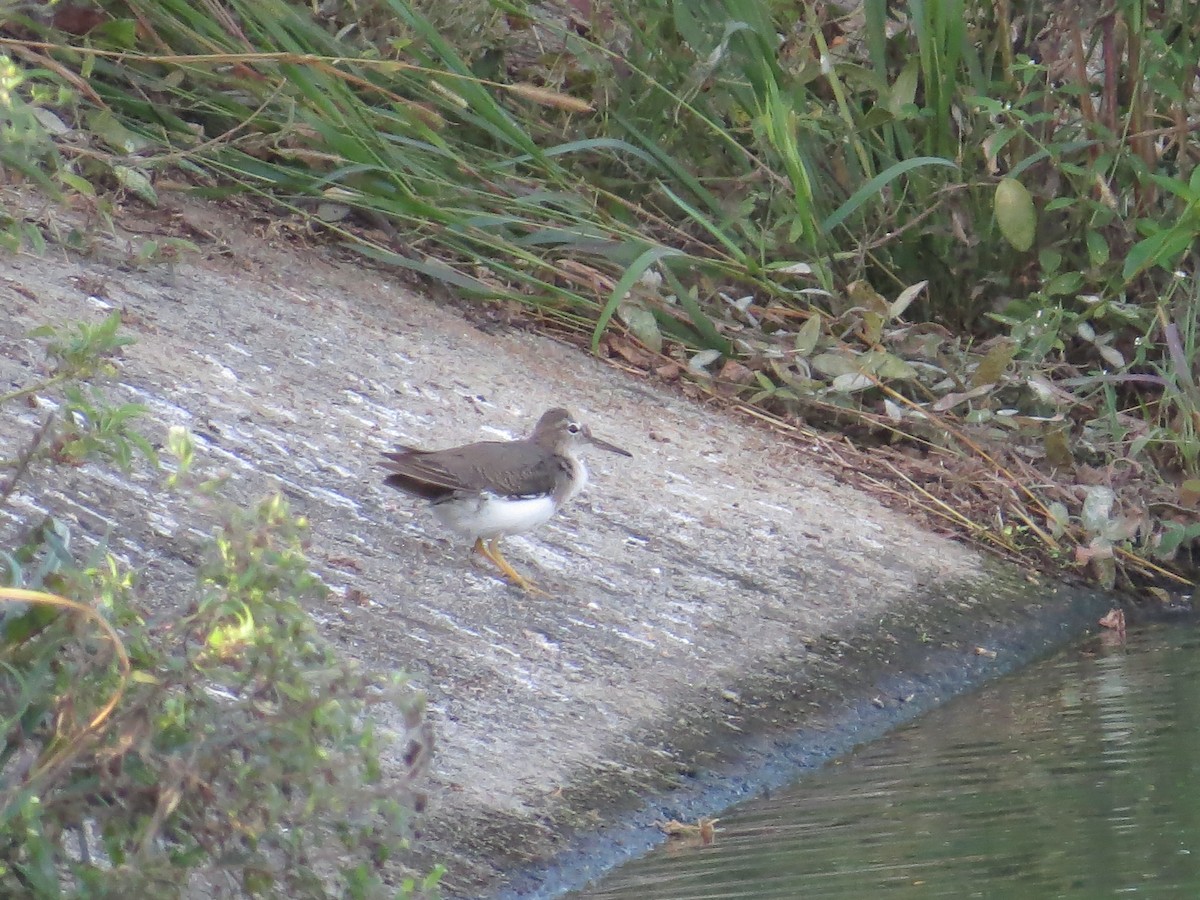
499 468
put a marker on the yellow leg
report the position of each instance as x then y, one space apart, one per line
491 551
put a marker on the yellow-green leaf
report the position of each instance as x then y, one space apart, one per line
991 369
1015 213
106 126
832 365
893 368
135 182
1097 248
1189 491
644 326
872 327
904 89
808 335
862 295
907 296
1058 448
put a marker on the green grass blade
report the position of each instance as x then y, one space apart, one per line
876 184
635 271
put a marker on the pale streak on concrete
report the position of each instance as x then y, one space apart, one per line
716 551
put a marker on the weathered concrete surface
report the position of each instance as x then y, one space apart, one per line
715 584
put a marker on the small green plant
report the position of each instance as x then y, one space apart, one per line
219 741
87 423
25 145
1165 246
29 149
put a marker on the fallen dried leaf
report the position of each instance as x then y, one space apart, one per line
669 371
630 352
705 829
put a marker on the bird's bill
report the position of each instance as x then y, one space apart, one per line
605 445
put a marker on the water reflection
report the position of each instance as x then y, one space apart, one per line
1077 777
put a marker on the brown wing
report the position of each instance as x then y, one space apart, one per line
506 468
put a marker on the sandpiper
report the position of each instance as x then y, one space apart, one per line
491 489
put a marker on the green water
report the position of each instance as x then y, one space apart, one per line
1077 777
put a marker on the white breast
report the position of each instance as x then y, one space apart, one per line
487 516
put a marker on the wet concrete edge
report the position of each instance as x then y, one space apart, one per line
880 683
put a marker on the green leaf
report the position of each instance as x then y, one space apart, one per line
1064 284
106 127
904 91
1049 260
808 335
644 326
1015 214
992 367
834 365
119 34
890 367
77 183
1161 249
648 258
137 183
905 299
707 331
1097 248
875 187
19 625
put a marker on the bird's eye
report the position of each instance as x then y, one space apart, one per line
573 427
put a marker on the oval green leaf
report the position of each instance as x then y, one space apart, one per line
1015 214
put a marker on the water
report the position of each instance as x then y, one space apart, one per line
1077 777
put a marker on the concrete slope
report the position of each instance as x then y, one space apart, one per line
715 588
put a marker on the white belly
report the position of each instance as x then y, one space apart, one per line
488 517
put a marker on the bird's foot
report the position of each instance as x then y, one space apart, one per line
491 551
